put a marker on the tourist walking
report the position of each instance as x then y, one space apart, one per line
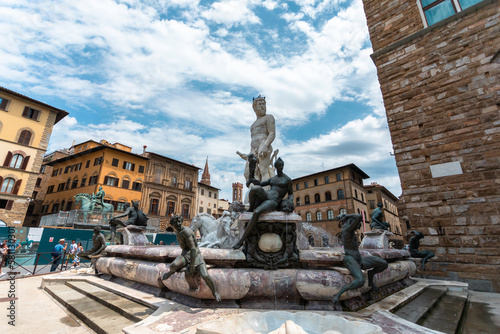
57 254
4 252
76 260
72 251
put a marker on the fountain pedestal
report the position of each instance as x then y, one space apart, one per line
273 243
133 235
376 239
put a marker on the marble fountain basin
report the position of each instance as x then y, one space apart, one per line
282 322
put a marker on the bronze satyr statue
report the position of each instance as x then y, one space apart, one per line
190 256
135 217
98 246
377 218
414 244
352 258
262 201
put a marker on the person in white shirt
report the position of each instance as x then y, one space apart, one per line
72 252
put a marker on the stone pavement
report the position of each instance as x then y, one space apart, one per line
35 311
484 313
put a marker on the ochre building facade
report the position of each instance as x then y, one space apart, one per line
25 129
90 165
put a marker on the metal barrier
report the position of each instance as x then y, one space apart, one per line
36 268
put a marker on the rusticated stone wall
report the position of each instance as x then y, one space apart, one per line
441 91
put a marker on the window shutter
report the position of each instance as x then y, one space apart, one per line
9 205
7 159
36 113
133 167
3 104
124 164
25 111
1 181
17 186
25 162
116 182
106 180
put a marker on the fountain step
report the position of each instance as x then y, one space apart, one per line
98 317
126 307
422 305
447 314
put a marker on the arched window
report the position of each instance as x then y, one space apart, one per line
62 204
16 161
137 185
93 178
328 196
185 211
126 182
306 199
308 216
329 214
325 242
318 215
84 181
355 193
343 211
69 205
55 207
24 137
7 185
310 239
297 201
316 198
340 194
170 208
68 183
153 206
74 184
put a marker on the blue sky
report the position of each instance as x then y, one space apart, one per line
179 77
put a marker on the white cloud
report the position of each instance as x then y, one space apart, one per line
231 12
143 63
270 4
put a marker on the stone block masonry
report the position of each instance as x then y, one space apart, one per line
441 92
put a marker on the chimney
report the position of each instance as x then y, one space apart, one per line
144 149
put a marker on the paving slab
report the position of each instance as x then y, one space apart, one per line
97 316
483 316
447 314
36 311
126 307
422 304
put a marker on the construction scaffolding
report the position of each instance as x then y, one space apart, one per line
74 219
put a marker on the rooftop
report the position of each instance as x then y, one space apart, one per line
60 113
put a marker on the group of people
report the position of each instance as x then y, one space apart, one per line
60 249
7 248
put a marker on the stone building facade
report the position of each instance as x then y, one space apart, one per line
322 196
376 193
25 129
208 200
170 188
237 192
439 75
